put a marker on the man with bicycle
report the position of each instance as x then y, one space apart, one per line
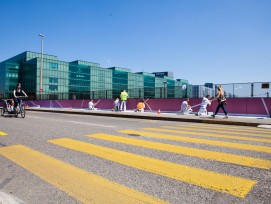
17 93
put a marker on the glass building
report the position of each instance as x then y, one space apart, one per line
82 80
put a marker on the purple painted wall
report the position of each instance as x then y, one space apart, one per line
234 105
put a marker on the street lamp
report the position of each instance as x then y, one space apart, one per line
165 83
41 63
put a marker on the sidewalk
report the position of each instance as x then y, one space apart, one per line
263 122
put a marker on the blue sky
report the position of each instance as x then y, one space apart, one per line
219 41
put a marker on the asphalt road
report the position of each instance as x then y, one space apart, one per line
180 163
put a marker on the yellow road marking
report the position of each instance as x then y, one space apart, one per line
212 180
232 132
210 135
205 154
3 134
227 127
201 141
78 183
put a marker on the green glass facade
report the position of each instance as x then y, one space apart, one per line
149 84
81 80
9 72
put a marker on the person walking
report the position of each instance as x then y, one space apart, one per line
221 99
123 97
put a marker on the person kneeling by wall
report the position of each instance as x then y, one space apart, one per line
140 106
91 105
185 107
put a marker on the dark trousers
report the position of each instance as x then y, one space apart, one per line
221 105
17 101
116 108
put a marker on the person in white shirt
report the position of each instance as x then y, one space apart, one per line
91 105
203 106
185 107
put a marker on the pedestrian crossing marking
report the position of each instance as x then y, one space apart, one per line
218 131
233 185
200 141
3 134
229 128
78 183
210 135
205 154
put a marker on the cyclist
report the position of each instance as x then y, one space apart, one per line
16 93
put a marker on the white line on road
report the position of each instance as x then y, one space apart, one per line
9 199
90 124
30 116
76 122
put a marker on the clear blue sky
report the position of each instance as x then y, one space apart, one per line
220 41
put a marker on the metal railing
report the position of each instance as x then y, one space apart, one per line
234 90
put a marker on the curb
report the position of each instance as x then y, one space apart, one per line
160 117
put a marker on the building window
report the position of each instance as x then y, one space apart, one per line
53 80
53 87
53 65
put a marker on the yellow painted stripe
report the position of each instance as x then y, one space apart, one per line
210 135
205 154
3 134
78 183
223 127
232 132
212 180
201 141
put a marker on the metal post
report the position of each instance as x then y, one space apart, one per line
41 63
233 90
165 82
267 94
252 88
160 92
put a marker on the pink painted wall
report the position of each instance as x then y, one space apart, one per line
234 105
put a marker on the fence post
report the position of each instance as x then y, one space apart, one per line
252 89
233 90
160 92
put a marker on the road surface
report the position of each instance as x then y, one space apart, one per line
63 158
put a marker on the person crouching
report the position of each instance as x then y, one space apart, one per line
140 106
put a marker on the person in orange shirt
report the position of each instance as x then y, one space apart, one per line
140 106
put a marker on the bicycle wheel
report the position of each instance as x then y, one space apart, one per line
23 111
16 112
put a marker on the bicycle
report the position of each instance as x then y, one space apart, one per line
20 109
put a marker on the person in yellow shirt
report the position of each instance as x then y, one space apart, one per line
140 106
123 97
